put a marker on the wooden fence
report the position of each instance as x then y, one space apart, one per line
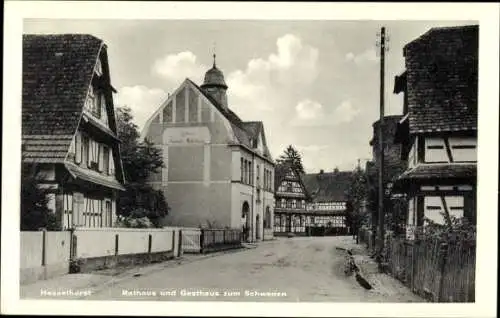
366 238
212 240
437 271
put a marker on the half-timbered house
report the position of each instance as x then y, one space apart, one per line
327 209
438 132
69 134
290 214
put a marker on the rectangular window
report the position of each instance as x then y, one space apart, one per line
108 215
251 173
101 158
93 212
242 171
93 155
85 150
93 102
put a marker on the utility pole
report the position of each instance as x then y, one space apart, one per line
381 213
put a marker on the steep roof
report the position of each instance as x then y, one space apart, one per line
441 74
328 186
246 132
57 71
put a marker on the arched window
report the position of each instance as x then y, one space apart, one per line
267 218
244 209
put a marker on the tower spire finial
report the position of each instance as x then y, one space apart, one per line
214 53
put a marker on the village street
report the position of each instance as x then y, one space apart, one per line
295 269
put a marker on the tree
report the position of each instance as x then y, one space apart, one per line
357 197
35 213
140 160
293 157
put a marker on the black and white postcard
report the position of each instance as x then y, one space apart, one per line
199 158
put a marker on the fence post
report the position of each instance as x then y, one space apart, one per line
44 247
116 244
173 243
150 238
73 245
443 253
179 251
202 241
414 257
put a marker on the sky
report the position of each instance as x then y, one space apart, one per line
314 84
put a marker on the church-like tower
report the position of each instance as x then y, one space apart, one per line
215 86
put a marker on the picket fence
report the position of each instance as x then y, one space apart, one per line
437 271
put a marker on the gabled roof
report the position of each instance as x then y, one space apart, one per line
57 71
281 171
328 186
441 75
246 132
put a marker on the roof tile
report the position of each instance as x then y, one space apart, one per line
441 72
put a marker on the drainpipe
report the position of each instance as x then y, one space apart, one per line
252 175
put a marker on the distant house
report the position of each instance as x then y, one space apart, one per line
328 205
218 169
69 130
393 166
438 132
290 214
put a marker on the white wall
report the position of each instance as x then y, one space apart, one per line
44 259
57 247
31 249
98 242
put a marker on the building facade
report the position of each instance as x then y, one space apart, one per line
218 170
327 208
290 214
69 134
438 132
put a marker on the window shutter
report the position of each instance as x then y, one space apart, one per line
88 150
78 148
111 163
101 158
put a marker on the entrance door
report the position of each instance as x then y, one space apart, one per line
245 209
